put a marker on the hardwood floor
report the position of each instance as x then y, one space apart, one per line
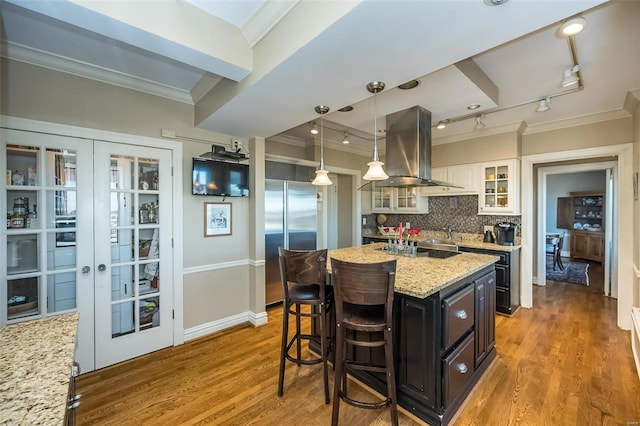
564 362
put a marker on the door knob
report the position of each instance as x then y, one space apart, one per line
102 267
86 269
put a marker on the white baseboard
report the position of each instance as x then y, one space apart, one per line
635 337
224 323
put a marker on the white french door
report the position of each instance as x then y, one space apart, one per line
89 230
51 239
133 217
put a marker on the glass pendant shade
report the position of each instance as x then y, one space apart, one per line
375 172
321 178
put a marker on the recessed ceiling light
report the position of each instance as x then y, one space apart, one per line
473 106
409 85
346 109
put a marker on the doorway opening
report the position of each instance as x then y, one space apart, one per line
621 268
592 224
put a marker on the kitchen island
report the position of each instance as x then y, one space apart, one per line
35 364
443 325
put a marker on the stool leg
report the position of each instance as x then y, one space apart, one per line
298 340
560 260
338 365
391 377
283 347
324 350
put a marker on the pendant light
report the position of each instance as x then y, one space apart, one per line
321 174
375 172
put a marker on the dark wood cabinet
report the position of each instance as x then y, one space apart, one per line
583 213
437 358
485 299
507 278
564 213
587 245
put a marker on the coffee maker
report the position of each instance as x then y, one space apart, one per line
505 233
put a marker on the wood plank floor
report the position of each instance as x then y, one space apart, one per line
564 362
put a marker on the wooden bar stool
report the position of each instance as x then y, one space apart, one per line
364 304
303 275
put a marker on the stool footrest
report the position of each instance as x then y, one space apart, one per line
361 404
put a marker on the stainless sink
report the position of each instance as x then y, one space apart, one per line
438 244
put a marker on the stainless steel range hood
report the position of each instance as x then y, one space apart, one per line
408 151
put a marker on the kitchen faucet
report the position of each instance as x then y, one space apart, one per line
449 230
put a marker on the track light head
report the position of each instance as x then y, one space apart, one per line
570 76
479 122
314 129
571 27
345 139
543 105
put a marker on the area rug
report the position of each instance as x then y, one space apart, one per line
574 272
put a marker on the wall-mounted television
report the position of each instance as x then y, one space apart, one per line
220 178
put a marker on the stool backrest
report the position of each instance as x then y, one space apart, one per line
302 267
364 283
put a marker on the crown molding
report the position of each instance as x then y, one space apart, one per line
578 121
518 126
264 20
18 52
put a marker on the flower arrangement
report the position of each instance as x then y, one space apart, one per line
415 232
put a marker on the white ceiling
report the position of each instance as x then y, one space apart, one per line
258 68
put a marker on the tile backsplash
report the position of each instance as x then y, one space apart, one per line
460 212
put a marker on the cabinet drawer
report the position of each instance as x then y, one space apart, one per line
457 315
457 370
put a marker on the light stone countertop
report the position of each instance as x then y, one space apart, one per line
418 276
35 362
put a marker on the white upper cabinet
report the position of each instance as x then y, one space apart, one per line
399 200
500 190
465 176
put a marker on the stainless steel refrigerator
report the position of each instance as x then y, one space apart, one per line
291 223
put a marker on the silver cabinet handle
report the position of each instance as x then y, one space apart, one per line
462 368
86 269
102 267
461 314
74 405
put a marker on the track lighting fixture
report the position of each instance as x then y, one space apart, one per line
572 27
322 179
441 125
543 105
314 129
375 172
570 76
345 140
479 122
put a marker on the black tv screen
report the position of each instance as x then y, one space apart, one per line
220 178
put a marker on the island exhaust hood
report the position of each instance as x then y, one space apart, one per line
408 151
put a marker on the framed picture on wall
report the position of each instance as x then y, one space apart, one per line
217 219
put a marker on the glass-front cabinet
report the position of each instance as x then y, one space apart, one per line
500 190
404 199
